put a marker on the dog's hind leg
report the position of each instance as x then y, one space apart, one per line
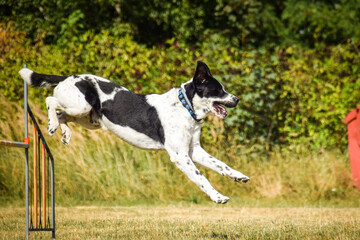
65 130
52 106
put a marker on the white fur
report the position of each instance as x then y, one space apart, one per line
131 136
25 73
181 131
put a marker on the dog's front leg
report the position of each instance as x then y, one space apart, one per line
199 155
186 165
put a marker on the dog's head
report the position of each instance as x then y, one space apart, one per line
209 94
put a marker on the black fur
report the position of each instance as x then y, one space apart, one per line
132 110
90 93
39 80
205 84
107 87
190 91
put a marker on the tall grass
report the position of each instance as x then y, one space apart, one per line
98 166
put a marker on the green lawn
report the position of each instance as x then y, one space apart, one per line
190 222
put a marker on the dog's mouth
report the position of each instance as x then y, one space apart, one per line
219 110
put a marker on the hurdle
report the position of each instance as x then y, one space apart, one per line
37 213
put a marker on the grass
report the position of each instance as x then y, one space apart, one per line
190 222
99 167
294 193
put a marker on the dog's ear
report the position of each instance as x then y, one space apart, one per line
202 73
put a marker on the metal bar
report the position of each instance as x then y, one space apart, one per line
52 194
35 178
41 229
38 149
52 175
14 144
40 133
43 185
48 224
26 162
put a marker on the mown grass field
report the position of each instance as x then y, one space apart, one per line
190 222
294 193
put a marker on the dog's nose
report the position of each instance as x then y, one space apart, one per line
236 100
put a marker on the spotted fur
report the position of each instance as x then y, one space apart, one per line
155 121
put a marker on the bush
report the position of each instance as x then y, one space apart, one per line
319 88
246 24
286 96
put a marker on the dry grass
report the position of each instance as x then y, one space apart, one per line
190 222
98 166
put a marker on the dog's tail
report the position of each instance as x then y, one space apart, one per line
40 80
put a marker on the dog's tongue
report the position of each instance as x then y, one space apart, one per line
222 113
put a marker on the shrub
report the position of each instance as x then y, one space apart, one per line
289 95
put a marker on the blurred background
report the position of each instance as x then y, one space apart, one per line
293 64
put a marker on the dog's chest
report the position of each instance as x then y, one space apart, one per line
177 123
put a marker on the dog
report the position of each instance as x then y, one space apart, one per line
170 121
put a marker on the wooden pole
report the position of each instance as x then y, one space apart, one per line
35 178
43 185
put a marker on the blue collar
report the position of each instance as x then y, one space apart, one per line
186 103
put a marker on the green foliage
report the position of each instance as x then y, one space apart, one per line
53 19
287 96
246 23
11 48
293 64
186 20
319 89
319 23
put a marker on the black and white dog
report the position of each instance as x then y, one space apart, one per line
170 121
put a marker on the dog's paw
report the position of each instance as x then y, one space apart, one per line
242 179
239 177
66 136
51 129
221 199
65 133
